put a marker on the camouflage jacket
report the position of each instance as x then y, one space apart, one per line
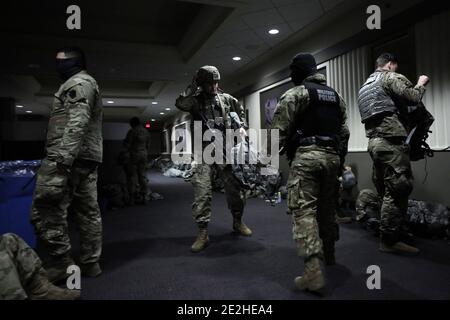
367 200
75 125
404 94
137 142
200 103
290 107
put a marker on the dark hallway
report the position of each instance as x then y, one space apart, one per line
147 256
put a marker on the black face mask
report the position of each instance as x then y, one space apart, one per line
298 77
68 67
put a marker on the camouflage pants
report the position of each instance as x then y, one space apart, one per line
137 180
19 269
393 179
202 183
312 188
54 193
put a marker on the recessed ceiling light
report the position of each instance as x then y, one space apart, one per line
110 101
19 106
274 31
29 111
161 113
153 120
155 102
236 58
167 109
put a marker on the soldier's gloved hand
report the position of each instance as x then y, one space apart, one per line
195 88
242 132
423 80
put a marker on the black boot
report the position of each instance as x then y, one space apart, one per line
57 267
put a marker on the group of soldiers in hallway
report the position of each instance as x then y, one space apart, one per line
312 122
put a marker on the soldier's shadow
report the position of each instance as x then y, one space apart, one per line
337 276
117 254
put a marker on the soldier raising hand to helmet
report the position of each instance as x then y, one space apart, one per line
206 102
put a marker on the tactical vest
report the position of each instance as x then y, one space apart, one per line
322 120
372 99
213 112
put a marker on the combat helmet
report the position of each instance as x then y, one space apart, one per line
207 74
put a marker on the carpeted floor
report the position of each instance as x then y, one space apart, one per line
146 255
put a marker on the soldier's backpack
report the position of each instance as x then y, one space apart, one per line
420 120
348 180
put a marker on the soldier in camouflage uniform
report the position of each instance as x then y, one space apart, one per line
368 205
204 100
383 103
22 275
68 174
311 117
137 142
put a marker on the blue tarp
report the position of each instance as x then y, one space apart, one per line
16 194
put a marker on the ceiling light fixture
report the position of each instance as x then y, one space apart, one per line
155 102
274 31
167 109
19 106
28 111
153 120
236 58
110 101
161 113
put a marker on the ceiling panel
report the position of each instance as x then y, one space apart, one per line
302 12
330 4
262 18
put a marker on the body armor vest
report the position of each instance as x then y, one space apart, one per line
323 117
373 100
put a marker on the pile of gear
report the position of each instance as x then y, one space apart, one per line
429 219
117 196
424 219
254 183
170 169
20 167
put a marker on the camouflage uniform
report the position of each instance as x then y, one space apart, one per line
137 143
21 273
368 205
201 179
392 173
313 178
68 174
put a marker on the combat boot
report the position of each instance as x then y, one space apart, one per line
240 227
399 248
91 270
202 240
57 269
313 278
40 288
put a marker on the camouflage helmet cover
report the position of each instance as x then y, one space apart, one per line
207 74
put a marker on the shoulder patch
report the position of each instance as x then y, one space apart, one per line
75 94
